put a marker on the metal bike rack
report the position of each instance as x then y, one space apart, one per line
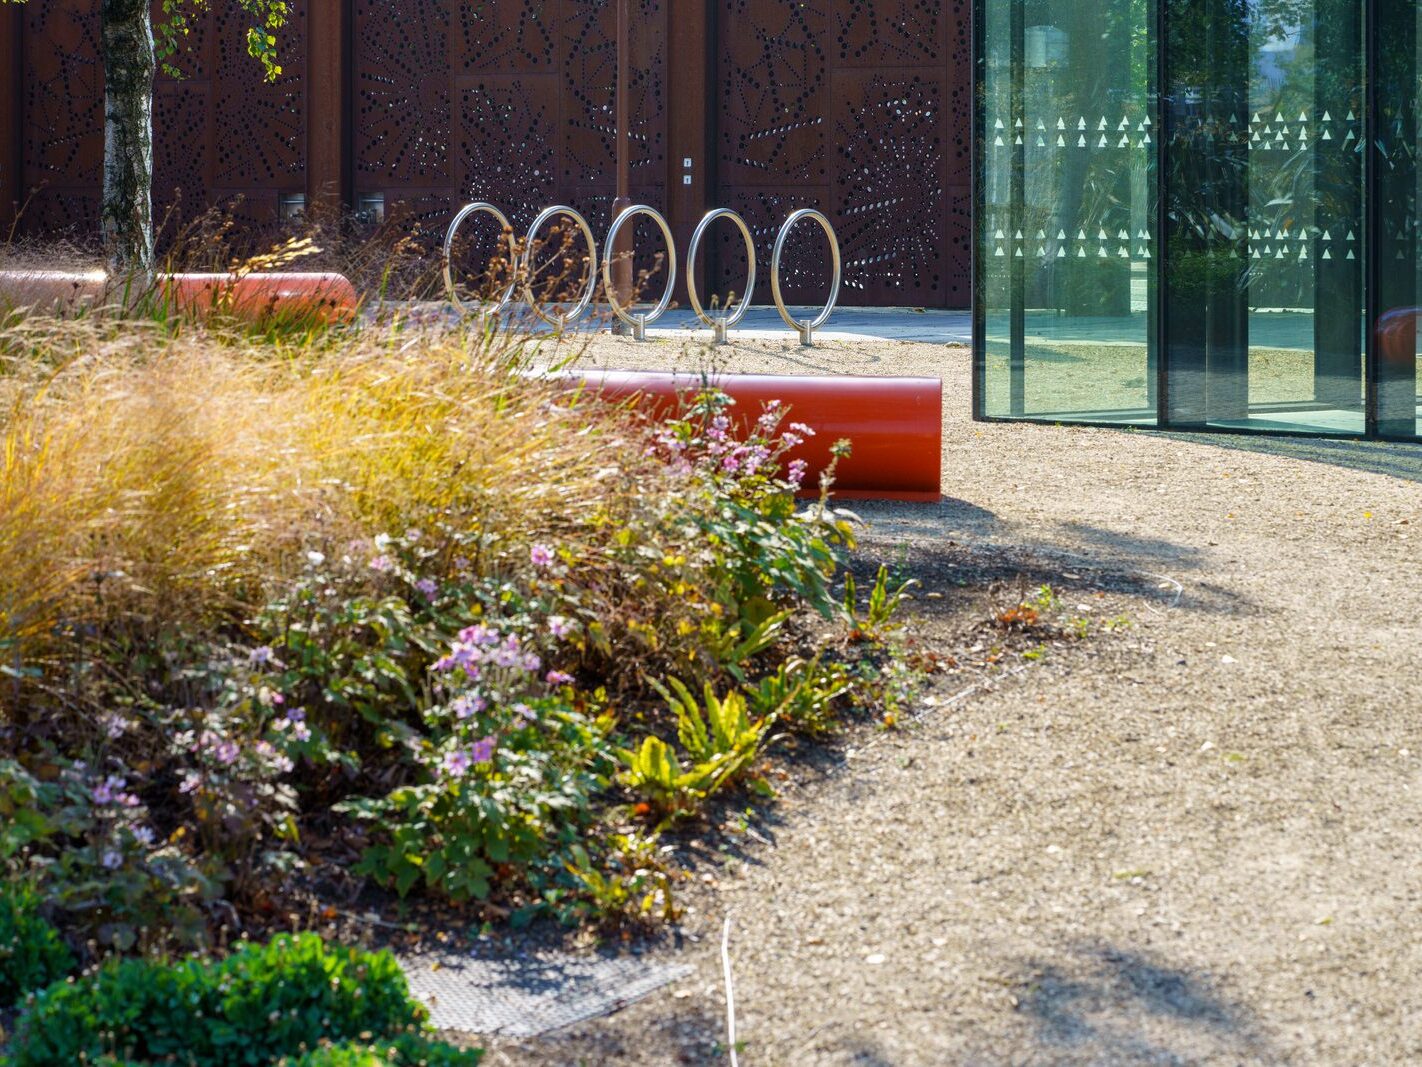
562 322
639 323
484 310
806 329
723 322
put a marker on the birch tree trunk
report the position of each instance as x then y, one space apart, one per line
129 67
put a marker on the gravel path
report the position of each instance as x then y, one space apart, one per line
1194 842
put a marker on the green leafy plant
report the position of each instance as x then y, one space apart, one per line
883 604
720 740
801 695
406 1050
254 1007
630 881
733 645
32 954
723 733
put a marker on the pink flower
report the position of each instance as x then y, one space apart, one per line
382 564
455 764
559 678
797 471
479 635
427 588
541 555
801 429
558 626
466 707
523 711
107 791
191 782
482 751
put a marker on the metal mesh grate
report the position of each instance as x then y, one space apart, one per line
532 995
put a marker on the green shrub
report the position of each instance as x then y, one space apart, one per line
407 1050
32 955
259 1004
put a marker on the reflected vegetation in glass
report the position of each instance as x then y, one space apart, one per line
1067 210
1210 212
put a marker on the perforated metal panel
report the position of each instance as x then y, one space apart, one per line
857 108
221 133
510 102
530 995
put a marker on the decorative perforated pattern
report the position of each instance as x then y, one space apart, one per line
220 133
850 106
589 86
262 125
402 105
507 143
909 33
513 35
773 84
510 102
63 116
889 196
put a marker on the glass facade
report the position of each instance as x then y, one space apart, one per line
1199 214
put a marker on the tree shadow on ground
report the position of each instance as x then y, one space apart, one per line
958 550
1395 459
1111 1004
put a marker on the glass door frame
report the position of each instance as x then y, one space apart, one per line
1162 303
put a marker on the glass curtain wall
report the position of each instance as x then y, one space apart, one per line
1265 229
1067 210
1230 281
1398 189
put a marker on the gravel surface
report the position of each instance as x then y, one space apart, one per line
1192 841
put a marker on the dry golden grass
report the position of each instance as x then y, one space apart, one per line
161 480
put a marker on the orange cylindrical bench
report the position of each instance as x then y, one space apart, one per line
894 424
327 297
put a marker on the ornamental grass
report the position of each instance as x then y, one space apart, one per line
156 480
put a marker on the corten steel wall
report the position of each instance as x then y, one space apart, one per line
859 108
510 102
222 135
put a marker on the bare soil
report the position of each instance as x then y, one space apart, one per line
1193 839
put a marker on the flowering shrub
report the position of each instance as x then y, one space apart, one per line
421 611
98 860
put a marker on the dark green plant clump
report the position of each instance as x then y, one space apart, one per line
32 954
261 1004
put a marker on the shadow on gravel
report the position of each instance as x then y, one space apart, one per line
1118 1005
1376 457
914 539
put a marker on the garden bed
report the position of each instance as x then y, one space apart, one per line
300 625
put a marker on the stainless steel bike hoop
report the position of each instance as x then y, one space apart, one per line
806 329
639 323
484 309
562 322
720 323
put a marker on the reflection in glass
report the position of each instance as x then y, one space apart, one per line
1399 191
1207 223
1265 239
1067 229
